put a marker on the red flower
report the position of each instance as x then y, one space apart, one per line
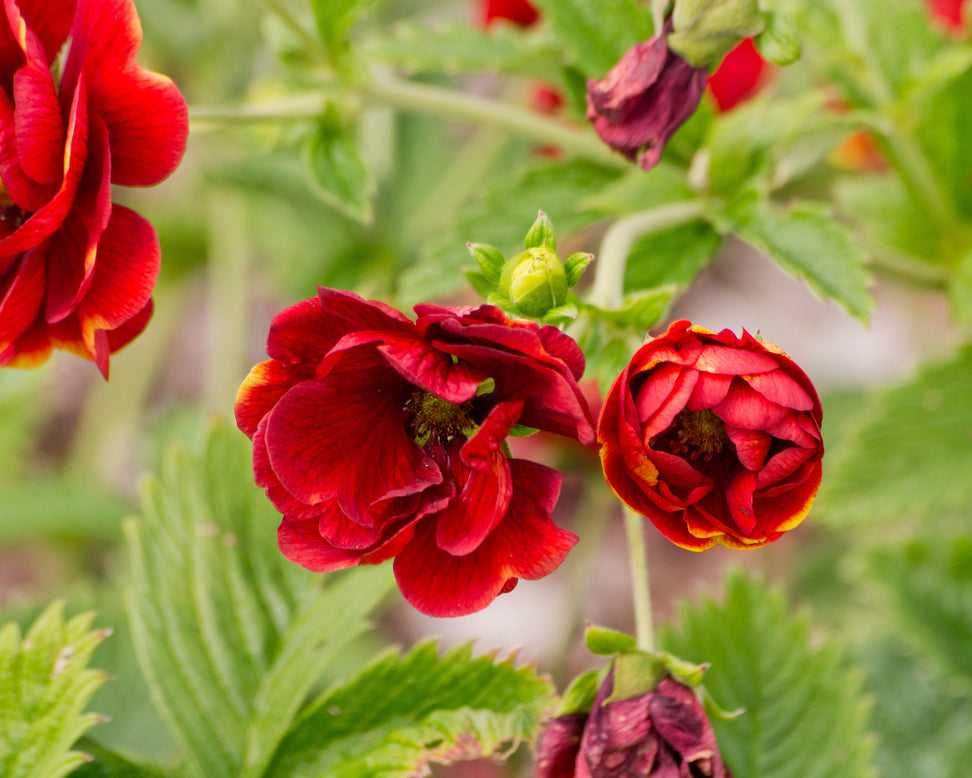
740 75
519 12
377 437
949 13
644 99
715 438
77 272
662 733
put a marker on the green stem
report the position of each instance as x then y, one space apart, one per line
640 588
608 289
461 106
299 107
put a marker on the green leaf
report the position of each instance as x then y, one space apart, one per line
930 588
606 641
960 290
230 635
108 764
806 242
671 257
804 713
461 48
595 33
338 173
405 712
334 18
910 454
44 686
641 310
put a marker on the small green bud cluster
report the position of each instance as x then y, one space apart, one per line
533 284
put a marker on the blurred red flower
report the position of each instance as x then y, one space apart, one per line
377 437
644 99
949 13
76 271
663 733
715 438
739 76
519 12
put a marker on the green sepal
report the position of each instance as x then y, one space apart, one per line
705 30
779 42
636 673
521 431
579 695
605 641
689 672
575 265
541 234
562 314
715 709
490 260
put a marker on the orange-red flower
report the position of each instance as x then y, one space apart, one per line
949 13
379 437
715 438
520 12
76 271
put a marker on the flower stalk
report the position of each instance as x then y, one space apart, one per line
640 582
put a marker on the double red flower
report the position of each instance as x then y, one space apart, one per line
715 438
379 437
76 271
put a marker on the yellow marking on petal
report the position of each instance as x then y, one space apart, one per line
798 516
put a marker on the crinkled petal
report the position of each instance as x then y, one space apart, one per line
265 384
21 294
423 365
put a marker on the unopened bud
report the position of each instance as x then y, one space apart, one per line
779 43
534 281
705 30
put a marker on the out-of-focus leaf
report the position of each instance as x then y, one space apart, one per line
641 310
595 33
459 48
44 686
806 242
339 174
55 507
20 413
230 635
943 127
673 256
930 587
634 191
334 18
107 764
804 711
406 712
910 455
960 290
924 726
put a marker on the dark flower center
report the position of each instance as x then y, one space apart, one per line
11 217
698 434
428 416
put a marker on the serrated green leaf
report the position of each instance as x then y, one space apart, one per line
461 48
804 713
231 636
338 173
595 33
44 686
910 454
105 763
806 242
334 18
930 588
407 711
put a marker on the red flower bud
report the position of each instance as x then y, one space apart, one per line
715 438
644 99
520 12
662 733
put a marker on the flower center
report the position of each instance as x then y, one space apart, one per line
428 416
698 434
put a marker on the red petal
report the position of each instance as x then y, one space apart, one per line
746 408
733 361
263 473
565 348
21 293
300 542
673 404
781 465
710 390
781 389
752 446
266 383
526 544
783 511
739 497
425 366
146 115
315 435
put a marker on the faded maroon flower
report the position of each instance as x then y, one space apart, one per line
380 437
644 99
714 437
76 271
739 76
662 733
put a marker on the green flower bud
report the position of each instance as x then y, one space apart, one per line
705 30
534 281
779 43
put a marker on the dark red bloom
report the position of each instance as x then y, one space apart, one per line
659 734
519 12
715 438
76 271
377 437
644 99
739 76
